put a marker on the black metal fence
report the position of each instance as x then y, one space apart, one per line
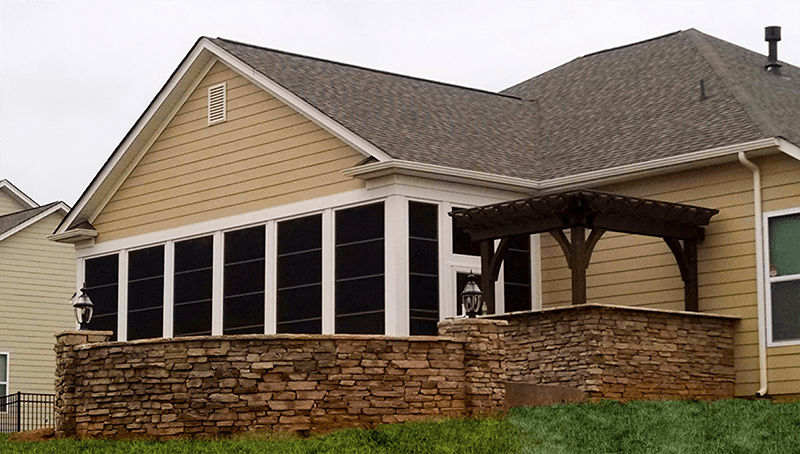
26 411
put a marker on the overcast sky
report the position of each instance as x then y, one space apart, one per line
75 75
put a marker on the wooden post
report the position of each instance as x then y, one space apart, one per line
487 282
690 284
577 265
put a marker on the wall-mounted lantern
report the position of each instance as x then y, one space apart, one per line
471 297
83 308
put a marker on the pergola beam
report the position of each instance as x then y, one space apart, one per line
681 227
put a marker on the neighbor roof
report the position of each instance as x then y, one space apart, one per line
626 105
10 221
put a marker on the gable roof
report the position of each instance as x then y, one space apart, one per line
408 118
14 222
613 112
18 195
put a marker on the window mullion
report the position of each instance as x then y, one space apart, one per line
216 285
169 288
328 264
270 279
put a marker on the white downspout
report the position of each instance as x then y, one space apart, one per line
761 303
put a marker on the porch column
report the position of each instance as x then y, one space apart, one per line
578 263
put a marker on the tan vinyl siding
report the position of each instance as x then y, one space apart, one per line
641 271
265 154
37 278
9 204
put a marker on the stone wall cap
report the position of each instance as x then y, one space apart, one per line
270 337
76 332
481 320
613 307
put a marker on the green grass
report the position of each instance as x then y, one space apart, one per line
733 426
490 436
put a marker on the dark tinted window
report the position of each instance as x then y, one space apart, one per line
193 284
102 285
299 289
423 266
146 293
360 292
462 244
243 289
517 275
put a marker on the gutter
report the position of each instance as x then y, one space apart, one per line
760 283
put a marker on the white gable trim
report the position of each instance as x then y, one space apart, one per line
166 103
152 139
60 206
17 194
117 165
312 113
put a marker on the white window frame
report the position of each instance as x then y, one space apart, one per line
770 279
6 383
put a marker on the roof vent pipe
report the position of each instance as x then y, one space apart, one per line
772 35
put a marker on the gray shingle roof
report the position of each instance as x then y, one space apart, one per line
621 106
643 102
9 221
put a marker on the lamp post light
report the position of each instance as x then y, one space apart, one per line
83 308
471 297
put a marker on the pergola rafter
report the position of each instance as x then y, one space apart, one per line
680 226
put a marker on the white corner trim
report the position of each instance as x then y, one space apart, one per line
17 194
61 206
379 169
312 113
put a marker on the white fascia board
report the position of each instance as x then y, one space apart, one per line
789 148
17 194
61 206
116 165
605 176
437 172
312 113
670 164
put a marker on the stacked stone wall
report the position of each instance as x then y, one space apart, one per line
224 384
213 385
623 353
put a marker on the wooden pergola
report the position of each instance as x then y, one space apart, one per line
680 226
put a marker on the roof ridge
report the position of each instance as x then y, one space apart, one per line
632 44
740 95
380 71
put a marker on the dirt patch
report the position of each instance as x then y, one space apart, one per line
48 433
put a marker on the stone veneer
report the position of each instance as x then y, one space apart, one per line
623 352
224 384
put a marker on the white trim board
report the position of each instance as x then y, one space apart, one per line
17 194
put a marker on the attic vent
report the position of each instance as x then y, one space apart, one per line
216 104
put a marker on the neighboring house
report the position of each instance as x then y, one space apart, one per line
263 192
37 278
